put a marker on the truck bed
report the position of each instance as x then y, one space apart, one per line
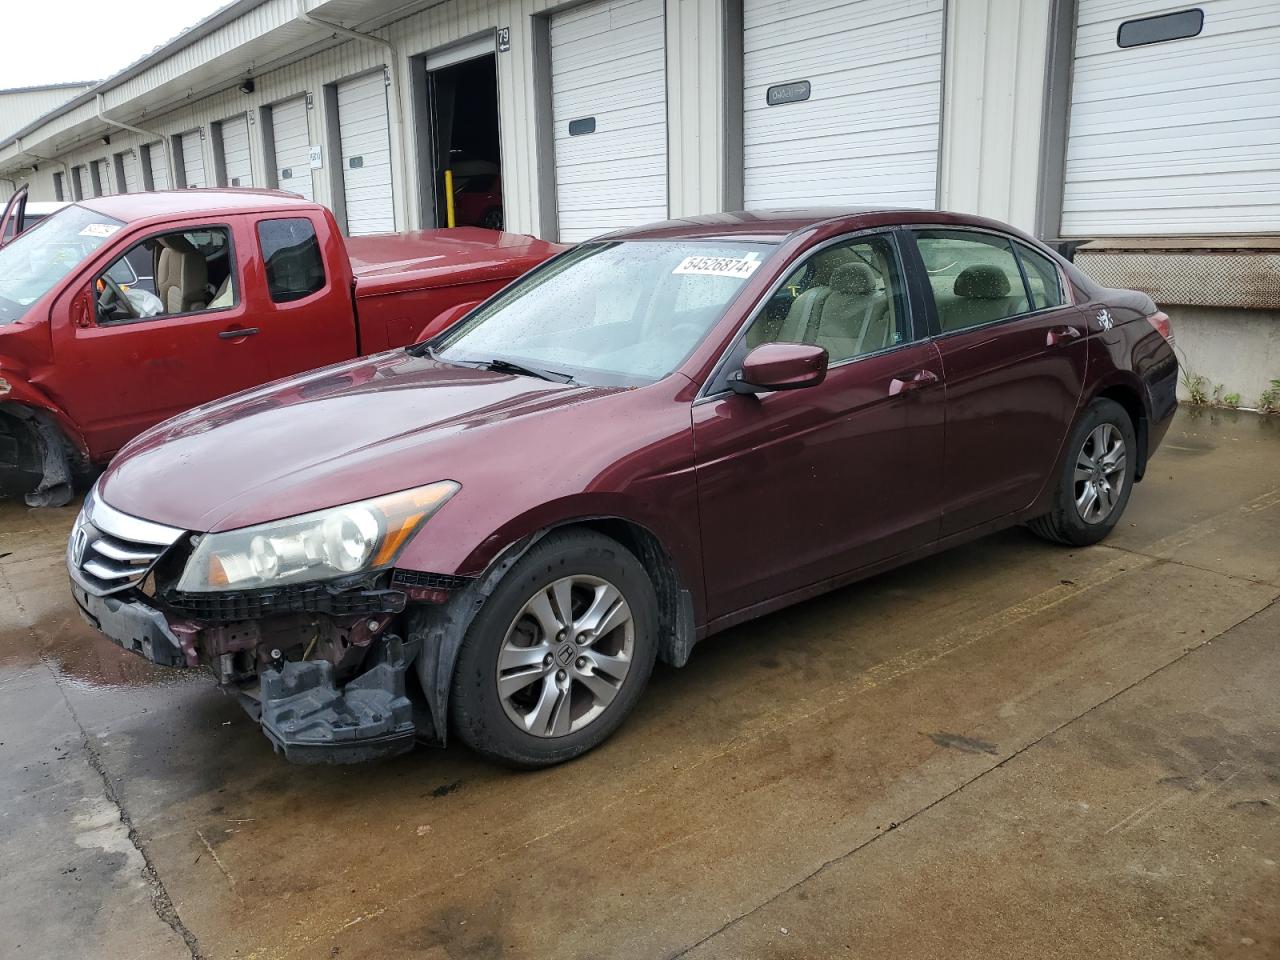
405 280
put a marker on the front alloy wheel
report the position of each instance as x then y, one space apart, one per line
565 656
1100 473
558 654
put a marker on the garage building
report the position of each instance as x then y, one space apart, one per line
1134 130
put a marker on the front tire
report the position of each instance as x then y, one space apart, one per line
1096 478
559 653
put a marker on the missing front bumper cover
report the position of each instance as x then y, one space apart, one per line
304 713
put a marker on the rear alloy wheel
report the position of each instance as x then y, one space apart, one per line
1100 473
559 654
1096 480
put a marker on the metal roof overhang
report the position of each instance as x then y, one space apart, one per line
246 38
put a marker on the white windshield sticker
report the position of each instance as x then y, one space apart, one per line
99 230
737 267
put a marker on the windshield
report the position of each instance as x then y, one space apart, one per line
32 264
612 314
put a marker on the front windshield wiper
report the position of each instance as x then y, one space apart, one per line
499 365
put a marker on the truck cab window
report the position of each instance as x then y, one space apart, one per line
189 271
291 253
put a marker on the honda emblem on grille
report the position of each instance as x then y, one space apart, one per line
79 540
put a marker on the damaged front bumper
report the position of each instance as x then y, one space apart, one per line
306 713
322 666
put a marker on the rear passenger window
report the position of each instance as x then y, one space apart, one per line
847 298
291 254
1042 278
974 276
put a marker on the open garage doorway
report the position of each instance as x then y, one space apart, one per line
462 120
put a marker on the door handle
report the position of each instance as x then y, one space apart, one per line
910 380
1060 335
237 334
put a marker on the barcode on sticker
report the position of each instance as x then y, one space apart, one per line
99 230
738 267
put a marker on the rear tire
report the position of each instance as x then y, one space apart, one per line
1095 480
558 655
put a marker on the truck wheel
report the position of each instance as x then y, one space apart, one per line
1096 479
559 653
492 219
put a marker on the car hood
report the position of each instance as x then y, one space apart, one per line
339 434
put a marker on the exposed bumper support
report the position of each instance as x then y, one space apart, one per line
309 720
131 625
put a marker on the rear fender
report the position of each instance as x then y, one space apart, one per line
1126 389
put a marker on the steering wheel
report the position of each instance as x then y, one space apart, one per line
112 291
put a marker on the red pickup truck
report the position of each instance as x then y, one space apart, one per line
121 311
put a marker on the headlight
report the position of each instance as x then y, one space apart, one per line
314 546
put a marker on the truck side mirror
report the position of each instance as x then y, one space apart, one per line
82 309
445 319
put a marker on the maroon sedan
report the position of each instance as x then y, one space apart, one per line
650 438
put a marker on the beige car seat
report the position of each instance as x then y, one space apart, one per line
182 276
849 318
982 294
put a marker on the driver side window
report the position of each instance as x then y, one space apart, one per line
848 298
170 274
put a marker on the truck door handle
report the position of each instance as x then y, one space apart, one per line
1061 335
910 380
237 334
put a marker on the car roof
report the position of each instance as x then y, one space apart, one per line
44 207
774 226
158 203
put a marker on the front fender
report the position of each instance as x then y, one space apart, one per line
454 543
20 398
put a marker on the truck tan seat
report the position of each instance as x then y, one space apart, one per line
849 318
182 276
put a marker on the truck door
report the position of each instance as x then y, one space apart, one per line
302 305
142 352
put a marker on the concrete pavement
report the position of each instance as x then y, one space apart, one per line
1012 749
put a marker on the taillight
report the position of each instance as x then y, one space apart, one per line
1160 320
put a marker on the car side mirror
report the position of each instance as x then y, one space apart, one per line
445 319
780 366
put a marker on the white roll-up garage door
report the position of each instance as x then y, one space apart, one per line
609 108
292 146
1177 136
132 175
159 169
841 102
237 167
193 160
366 154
